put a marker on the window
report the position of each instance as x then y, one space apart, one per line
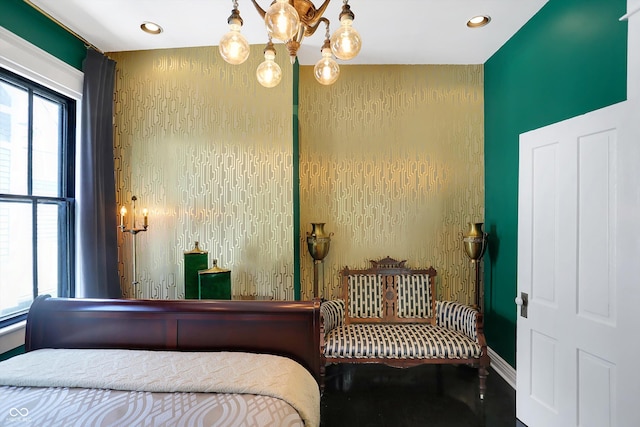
37 166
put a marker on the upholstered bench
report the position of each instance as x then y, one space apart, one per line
389 315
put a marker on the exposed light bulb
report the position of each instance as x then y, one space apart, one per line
234 47
326 70
269 73
346 42
282 20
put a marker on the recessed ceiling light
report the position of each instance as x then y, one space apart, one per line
478 21
151 28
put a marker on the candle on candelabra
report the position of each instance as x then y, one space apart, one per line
133 230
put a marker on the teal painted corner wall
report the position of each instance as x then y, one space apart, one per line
569 59
9 354
26 22
296 181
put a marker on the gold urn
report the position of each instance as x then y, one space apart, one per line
475 241
318 241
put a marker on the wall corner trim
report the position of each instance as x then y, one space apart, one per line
28 60
629 14
502 368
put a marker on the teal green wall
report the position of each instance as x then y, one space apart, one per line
569 59
296 181
11 353
26 22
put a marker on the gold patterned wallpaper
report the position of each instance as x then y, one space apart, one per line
391 158
208 151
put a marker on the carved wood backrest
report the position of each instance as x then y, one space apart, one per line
389 292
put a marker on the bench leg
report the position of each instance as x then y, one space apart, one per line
482 376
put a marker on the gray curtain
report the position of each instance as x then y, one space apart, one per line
96 209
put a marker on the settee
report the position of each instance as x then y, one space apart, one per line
388 314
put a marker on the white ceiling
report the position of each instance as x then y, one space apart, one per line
392 31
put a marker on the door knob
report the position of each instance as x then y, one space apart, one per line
523 302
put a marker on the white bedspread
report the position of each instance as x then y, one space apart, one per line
166 371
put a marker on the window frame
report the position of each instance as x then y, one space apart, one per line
65 198
41 68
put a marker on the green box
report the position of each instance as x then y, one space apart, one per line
215 284
194 261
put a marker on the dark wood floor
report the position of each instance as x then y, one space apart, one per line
428 395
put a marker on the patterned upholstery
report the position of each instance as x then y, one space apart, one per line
389 315
365 296
414 296
410 330
397 341
332 312
457 317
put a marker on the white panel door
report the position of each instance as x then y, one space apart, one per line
574 353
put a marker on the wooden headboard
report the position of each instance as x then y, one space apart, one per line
285 328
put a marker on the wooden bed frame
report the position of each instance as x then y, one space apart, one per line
285 328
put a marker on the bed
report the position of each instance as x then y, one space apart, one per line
91 362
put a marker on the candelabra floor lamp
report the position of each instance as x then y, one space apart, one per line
318 243
134 232
475 244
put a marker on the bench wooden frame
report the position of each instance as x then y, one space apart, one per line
390 269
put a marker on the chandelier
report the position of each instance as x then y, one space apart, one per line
290 21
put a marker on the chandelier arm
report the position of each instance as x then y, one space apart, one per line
260 10
319 12
310 30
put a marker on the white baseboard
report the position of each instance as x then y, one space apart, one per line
506 371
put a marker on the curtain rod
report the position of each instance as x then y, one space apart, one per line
76 35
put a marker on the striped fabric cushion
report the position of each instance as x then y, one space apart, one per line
457 317
399 341
414 296
332 312
365 296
